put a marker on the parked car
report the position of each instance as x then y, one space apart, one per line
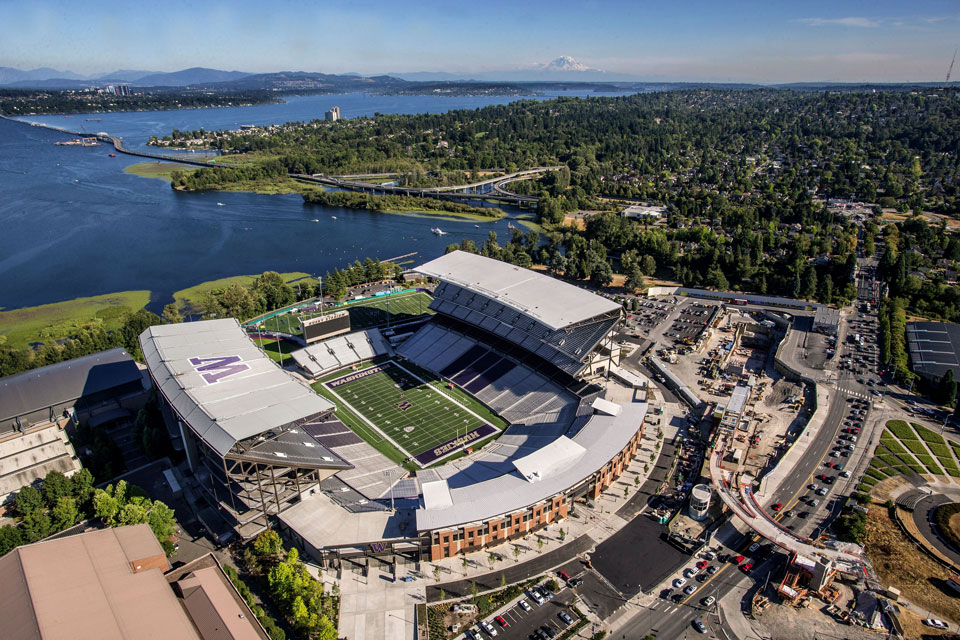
935 623
524 605
712 569
699 626
747 568
679 582
709 600
563 615
501 622
691 590
755 546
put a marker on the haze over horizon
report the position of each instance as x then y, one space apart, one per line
881 41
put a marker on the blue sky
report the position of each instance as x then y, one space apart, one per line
772 41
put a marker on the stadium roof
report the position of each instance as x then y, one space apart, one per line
66 381
600 439
552 302
221 384
547 460
934 348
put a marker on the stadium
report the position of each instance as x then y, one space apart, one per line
460 430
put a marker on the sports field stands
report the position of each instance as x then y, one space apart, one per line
373 473
341 351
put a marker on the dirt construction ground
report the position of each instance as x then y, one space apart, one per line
899 564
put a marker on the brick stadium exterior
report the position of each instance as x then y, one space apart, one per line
447 542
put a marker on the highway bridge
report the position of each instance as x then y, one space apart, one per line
738 496
464 192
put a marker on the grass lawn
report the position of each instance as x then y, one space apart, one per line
927 434
399 410
60 319
915 446
273 348
161 170
189 299
363 315
902 430
274 186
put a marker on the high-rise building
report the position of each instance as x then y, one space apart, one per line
333 115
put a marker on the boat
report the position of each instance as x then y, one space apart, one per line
220 204
438 231
334 217
94 119
314 220
113 155
510 225
476 226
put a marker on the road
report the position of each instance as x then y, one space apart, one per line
668 619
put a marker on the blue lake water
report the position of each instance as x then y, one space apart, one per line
73 224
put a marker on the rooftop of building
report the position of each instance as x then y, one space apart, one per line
826 315
106 584
532 478
934 347
64 382
552 302
222 385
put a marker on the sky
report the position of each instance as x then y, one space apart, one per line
722 40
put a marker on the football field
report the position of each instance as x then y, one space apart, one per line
419 420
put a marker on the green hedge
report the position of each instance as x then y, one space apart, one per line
927 434
864 488
947 461
931 465
890 461
892 444
908 460
939 450
269 624
902 430
867 480
916 447
954 472
875 473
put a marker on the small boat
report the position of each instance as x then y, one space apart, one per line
438 231
334 217
476 226
314 220
510 225
113 155
220 204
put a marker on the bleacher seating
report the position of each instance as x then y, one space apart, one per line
341 351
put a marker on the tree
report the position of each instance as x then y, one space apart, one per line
36 525
10 538
133 325
171 314
948 388
503 581
162 520
539 544
516 552
65 513
635 279
267 543
27 501
563 534
492 558
649 265
55 486
105 506
825 293
81 484
809 288
601 274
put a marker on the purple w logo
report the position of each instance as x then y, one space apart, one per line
216 369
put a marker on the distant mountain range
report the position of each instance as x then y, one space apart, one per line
564 70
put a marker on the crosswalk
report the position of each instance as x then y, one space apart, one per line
664 606
854 394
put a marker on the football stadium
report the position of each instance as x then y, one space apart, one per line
448 433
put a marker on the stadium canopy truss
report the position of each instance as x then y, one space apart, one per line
241 418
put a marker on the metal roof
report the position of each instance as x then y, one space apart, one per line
934 347
549 459
826 316
552 302
221 384
601 439
64 382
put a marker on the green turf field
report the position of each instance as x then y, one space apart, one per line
365 314
418 419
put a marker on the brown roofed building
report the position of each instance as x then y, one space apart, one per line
110 584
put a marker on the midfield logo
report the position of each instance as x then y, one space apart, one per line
216 369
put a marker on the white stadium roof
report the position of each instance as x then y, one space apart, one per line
552 302
221 384
597 443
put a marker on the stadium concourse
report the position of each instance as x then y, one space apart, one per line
506 349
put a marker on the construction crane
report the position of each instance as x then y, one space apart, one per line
950 70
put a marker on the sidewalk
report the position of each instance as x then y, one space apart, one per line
377 607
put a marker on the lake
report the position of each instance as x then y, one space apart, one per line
73 224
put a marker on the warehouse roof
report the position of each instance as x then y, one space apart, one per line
934 347
66 381
552 302
222 385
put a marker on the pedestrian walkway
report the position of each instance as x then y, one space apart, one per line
380 606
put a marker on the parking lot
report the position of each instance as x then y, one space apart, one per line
690 324
525 617
649 314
